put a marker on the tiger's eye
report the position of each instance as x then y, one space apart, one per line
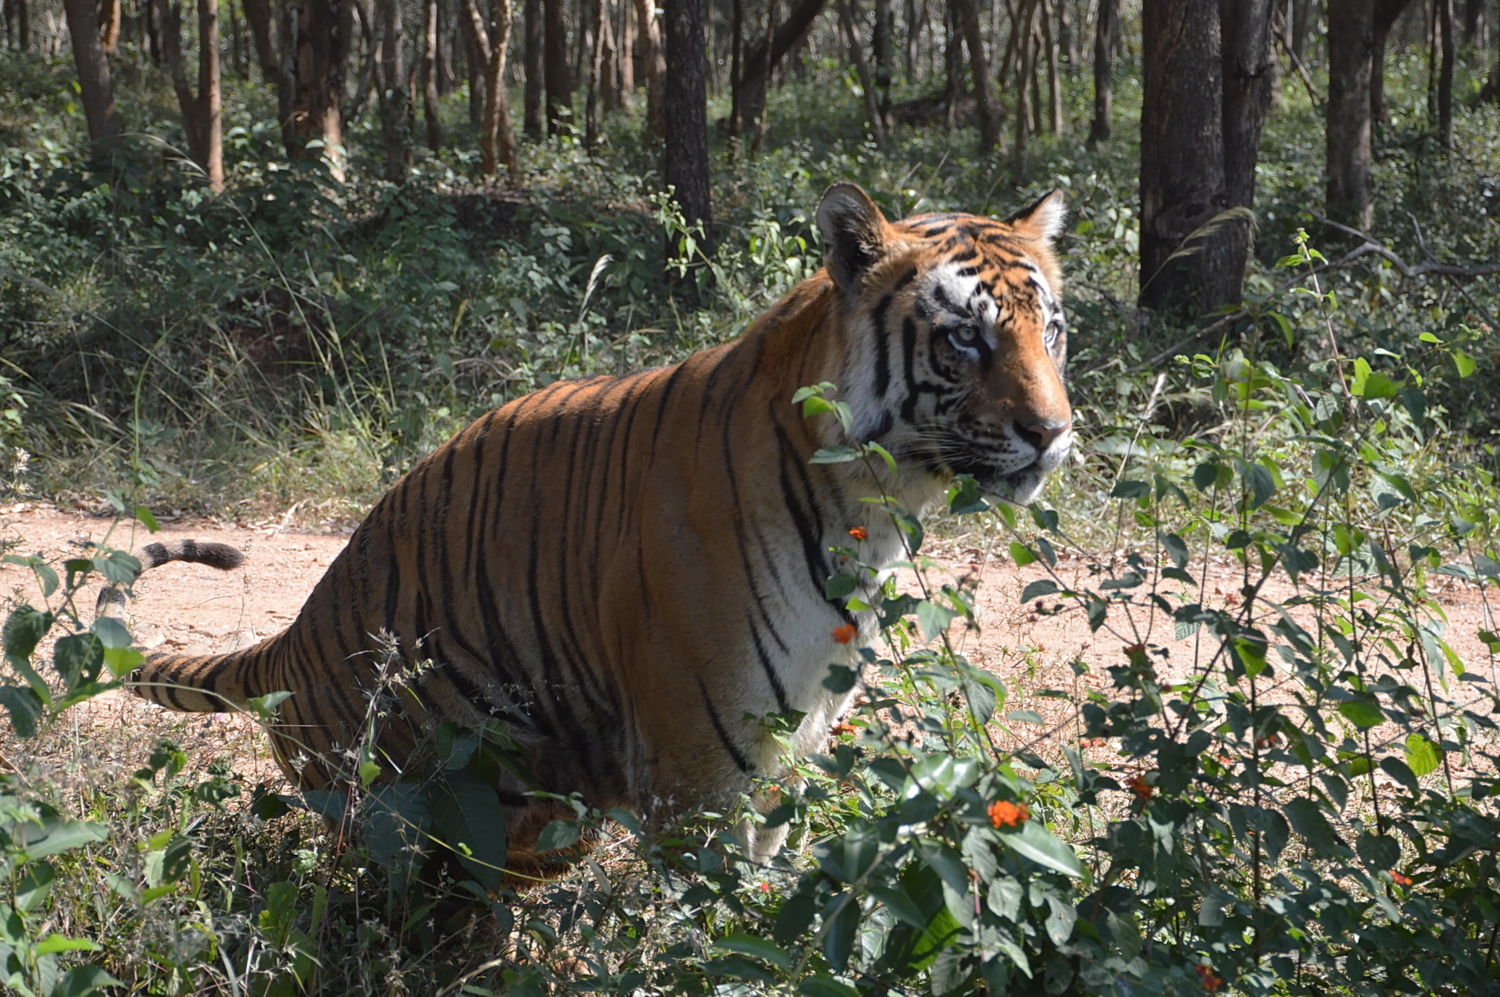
966 333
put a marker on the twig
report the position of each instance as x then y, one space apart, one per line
1421 269
1307 80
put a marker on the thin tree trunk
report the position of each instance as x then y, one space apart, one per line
1182 162
534 122
984 88
476 65
625 63
608 66
370 34
1067 38
93 76
913 36
1386 13
430 80
1445 74
1021 31
312 69
654 67
497 144
736 51
765 105
109 26
1054 80
558 80
862 70
22 10
1104 91
1351 29
595 105
1302 11
263 36
789 34
685 162
883 51
393 95
201 111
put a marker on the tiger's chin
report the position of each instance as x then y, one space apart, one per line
1020 487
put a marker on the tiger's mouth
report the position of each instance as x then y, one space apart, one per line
1017 485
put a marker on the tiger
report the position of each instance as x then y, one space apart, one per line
629 571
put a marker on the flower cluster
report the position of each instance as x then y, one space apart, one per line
1141 788
1003 813
845 633
1207 978
859 532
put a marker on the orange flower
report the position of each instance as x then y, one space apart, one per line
1003 813
1207 978
1400 879
859 533
763 886
845 633
841 729
1141 788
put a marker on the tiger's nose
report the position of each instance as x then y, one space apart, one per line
1042 433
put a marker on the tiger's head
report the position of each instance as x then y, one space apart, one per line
955 338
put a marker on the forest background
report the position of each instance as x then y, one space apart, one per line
258 256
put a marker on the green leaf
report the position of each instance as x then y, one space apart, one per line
1422 755
55 943
467 811
1175 547
558 835
1035 842
1021 554
823 985
840 926
933 619
25 709
1362 713
81 981
834 455
1369 384
1038 588
149 521
755 948
839 586
265 706
1379 852
1463 362
111 632
895 900
1308 821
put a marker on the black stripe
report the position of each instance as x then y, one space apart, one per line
770 669
882 359
713 718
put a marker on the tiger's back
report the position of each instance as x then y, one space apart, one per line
629 571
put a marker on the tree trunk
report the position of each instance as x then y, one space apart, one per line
1445 75
93 76
1182 162
765 105
201 117
430 80
534 121
1104 91
262 35
496 140
1067 38
884 54
799 21
370 33
1303 13
625 63
1245 30
1351 30
1386 13
609 60
653 67
685 166
594 108
1021 30
22 11
862 71
555 45
736 74
984 87
913 36
1054 79
393 94
109 26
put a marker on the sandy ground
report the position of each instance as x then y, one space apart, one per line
192 608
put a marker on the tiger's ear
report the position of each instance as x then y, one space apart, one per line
853 231
1043 219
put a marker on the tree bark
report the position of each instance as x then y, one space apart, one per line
555 44
1054 79
1302 15
883 51
1386 13
685 166
765 105
263 35
654 67
758 66
497 144
393 95
1445 74
625 40
736 73
1245 30
1182 161
1104 65
598 64
109 26
984 86
1021 30
22 10
862 70
430 80
201 117
1351 31
94 83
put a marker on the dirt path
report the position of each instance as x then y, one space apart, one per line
192 608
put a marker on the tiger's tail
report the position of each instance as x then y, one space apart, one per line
207 683
203 683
